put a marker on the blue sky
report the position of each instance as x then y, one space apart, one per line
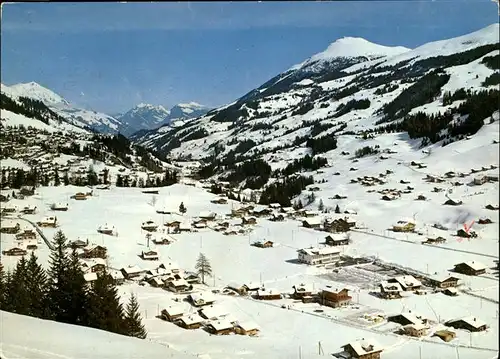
112 56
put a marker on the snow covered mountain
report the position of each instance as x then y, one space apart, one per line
149 117
74 115
353 88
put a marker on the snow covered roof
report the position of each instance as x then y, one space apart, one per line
174 309
418 326
475 265
203 296
132 269
320 251
221 324
408 281
391 287
441 277
191 319
248 325
216 311
313 221
180 282
364 347
471 320
89 277
268 291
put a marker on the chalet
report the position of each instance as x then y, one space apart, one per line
390 290
50 221
150 255
172 224
248 220
156 282
191 321
244 288
184 227
301 291
213 312
95 265
94 251
407 282
27 234
436 240
209 216
339 225
29 210
191 278
165 239
470 268
364 349
78 243
59 207
404 226
16 251
246 328
9 209
266 244
407 319
10 227
415 330
149 226
315 256
472 324
172 312
106 229
312 223
220 327
170 267
179 286
117 276
443 280
201 299
337 240
201 223
334 297
131 272
261 212
277 217
79 196
31 244
267 294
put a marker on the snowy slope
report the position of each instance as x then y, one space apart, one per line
27 337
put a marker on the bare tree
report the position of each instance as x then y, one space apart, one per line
203 267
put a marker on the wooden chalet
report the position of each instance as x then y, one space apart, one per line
334 297
336 240
364 349
407 319
16 251
79 196
172 313
9 227
26 234
472 324
302 292
131 272
179 286
106 229
470 268
192 278
443 280
50 221
243 289
339 225
220 327
267 294
95 251
201 299
404 226
29 210
164 240
266 244
96 265
407 282
150 255
117 277
149 226
248 220
314 222
78 243
390 290
415 330
246 328
59 207
213 312
192 321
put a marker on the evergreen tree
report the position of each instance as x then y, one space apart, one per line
119 181
182 208
77 290
58 292
133 324
36 285
337 209
57 180
104 310
2 287
17 300
321 206
203 267
92 178
66 179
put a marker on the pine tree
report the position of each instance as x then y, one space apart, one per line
36 285
182 208
17 300
57 180
321 206
203 267
77 291
58 294
119 181
337 209
133 324
2 287
104 310
66 179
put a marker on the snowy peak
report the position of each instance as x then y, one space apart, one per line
35 91
144 116
187 110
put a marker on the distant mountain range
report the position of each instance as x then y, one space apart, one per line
141 117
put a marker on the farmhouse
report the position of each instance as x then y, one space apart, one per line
246 328
29 210
407 282
443 280
334 297
314 222
390 290
244 288
337 239
339 225
364 349
220 327
314 256
131 272
267 294
472 324
191 321
404 226
172 312
191 278
201 299
470 268
94 265
117 276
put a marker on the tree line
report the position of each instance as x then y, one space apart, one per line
61 293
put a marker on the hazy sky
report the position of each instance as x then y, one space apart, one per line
112 56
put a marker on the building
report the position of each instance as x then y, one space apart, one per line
443 280
220 327
407 319
266 244
131 272
314 222
472 324
445 335
246 328
192 321
94 251
337 240
248 220
150 255
301 291
404 226
315 256
267 294
390 290
172 312
334 298
364 349
407 282
16 251
201 299
470 268
415 330
50 221
9 227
